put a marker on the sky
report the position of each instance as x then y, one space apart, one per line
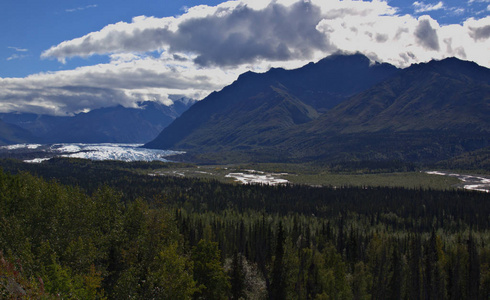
62 57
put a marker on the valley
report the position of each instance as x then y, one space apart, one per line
124 212
266 173
370 175
245 150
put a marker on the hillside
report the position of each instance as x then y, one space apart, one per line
104 125
428 112
316 87
11 134
425 113
441 95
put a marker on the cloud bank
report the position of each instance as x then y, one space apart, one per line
206 48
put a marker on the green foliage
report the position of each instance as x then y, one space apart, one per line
209 274
85 247
122 235
173 276
15 284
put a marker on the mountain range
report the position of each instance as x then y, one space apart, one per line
104 125
344 107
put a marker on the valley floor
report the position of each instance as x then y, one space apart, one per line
271 174
265 175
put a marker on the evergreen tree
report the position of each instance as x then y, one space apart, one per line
210 276
237 277
395 284
473 269
278 282
415 255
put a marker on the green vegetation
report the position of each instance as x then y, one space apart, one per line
408 180
307 174
93 230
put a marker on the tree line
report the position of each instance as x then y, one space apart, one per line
89 231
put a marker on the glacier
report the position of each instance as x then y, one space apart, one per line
105 151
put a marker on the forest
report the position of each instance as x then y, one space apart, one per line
75 229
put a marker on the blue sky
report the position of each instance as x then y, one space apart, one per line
64 57
32 26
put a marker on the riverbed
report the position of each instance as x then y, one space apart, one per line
469 182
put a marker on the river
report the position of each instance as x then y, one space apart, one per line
470 182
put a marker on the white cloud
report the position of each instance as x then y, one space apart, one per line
231 33
206 48
81 8
16 56
125 80
458 10
18 49
421 7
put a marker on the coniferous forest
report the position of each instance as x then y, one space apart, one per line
75 229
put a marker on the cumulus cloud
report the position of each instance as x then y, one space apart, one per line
230 34
480 33
426 35
243 35
250 32
206 48
124 81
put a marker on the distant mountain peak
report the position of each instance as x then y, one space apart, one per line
454 67
116 124
185 100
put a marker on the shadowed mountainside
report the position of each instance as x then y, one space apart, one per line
105 125
341 108
303 94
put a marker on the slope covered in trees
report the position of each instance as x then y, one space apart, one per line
111 233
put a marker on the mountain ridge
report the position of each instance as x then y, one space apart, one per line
323 88
12 134
427 112
115 124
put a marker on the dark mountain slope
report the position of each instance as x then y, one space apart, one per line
38 125
12 134
259 118
335 78
320 86
105 125
115 124
428 112
440 95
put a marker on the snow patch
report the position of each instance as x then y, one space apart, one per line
21 146
36 160
258 177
